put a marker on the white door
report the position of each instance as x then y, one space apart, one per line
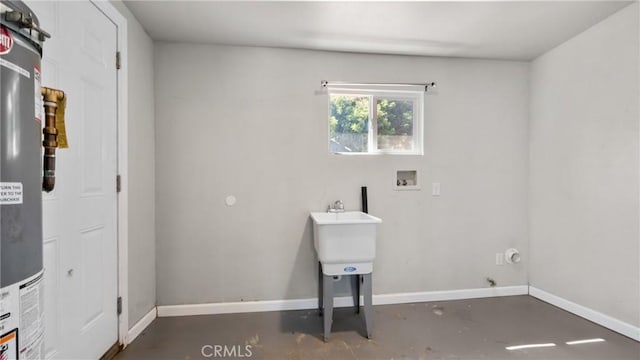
80 243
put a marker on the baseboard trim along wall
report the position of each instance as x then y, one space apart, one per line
142 324
616 325
587 313
404 298
346 301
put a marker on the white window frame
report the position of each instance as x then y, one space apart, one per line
375 93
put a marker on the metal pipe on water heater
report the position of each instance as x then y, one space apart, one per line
50 142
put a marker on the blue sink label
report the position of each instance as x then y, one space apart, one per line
350 269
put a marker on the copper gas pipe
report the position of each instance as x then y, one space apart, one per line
50 142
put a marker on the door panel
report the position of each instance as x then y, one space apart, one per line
92 275
80 214
52 303
92 145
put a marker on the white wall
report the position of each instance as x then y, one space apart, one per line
141 168
250 122
584 196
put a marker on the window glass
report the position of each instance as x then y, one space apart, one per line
372 121
395 124
349 123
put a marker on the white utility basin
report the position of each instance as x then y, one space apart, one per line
345 241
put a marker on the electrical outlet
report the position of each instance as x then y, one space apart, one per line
499 259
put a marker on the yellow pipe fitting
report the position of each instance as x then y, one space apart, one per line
52 95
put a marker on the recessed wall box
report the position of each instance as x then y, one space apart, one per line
406 180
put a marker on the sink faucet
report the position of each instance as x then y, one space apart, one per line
338 206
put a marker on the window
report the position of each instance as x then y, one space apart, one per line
372 121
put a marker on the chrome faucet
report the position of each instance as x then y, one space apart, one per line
338 206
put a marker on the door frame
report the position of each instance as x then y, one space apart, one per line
122 198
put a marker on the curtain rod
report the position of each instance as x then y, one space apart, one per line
326 83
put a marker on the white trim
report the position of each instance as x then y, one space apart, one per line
236 307
123 197
404 298
599 318
142 324
346 301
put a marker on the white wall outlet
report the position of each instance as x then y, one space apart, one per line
435 189
499 259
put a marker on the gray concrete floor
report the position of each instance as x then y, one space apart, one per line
463 329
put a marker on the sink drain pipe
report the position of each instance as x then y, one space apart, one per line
364 200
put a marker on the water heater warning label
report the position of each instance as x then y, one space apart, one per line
9 345
21 319
10 193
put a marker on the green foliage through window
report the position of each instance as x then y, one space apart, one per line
395 117
351 117
349 123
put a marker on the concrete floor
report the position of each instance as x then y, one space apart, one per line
463 329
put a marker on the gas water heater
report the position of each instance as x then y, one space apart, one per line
24 117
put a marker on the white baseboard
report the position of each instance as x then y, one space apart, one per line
609 322
599 318
235 307
404 298
345 301
142 324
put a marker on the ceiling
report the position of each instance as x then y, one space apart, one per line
516 30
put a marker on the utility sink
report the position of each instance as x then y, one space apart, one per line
345 241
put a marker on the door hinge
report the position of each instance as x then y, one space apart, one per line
118 183
119 305
118 63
